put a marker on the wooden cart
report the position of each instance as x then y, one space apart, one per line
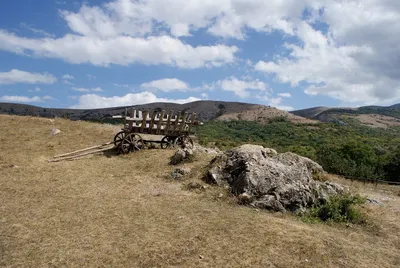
176 129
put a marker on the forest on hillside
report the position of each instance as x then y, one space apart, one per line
350 150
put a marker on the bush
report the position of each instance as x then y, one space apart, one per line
278 119
339 208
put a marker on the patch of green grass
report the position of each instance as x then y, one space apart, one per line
340 209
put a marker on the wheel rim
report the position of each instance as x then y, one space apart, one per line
119 138
132 142
167 142
183 141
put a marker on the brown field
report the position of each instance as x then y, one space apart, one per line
124 211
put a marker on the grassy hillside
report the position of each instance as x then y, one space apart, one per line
351 150
124 211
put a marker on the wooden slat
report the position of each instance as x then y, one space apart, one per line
131 122
183 123
153 116
168 126
143 121
176 123
160 120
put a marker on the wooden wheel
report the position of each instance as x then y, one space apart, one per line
119 138
183 141
167 142
132 142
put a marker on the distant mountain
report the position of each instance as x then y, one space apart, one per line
205 110
374 116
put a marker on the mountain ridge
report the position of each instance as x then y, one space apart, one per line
374 116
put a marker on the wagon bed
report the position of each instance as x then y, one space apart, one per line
175 127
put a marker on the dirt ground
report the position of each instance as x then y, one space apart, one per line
125 211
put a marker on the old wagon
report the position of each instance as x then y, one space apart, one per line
175 128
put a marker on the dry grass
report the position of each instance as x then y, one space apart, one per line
123 211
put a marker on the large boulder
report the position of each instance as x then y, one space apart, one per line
263 178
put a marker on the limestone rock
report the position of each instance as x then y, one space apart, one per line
181 156
55 131
265 179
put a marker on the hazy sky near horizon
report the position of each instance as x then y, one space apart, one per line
290 54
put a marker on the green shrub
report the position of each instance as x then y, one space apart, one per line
340 208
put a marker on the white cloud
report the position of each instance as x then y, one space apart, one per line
37 89
120 85
121 50
204 96
285 95
91 77
90 101
227 18
24 99
277 103
37 31
82 89
16 76
166 85
353 60
240 87
68 77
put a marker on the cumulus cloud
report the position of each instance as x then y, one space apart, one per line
166 85
277 103
346 50
121 50
24 99
17 76
353 61
227 18
240 87
91 101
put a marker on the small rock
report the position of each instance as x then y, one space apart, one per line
201 257
374 202
195 186
244 198
179 173
182 155
55 131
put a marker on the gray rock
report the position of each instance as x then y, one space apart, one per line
200 149
182 155
265 179
179 173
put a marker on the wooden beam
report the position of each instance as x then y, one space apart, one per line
153 116
78 155
143 126
183 123
176 123
82 150
168 126
160 121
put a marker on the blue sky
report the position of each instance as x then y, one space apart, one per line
290 54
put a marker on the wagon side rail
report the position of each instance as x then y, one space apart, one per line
159 122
